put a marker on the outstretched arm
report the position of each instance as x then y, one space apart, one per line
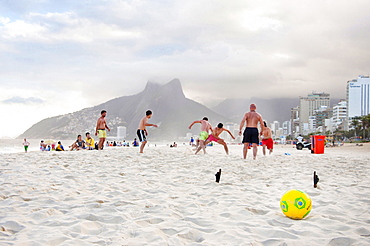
197 121
151 125
229 133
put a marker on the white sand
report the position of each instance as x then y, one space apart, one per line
169 197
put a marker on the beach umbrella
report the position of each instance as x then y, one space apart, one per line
49 141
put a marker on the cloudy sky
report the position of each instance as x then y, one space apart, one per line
61 56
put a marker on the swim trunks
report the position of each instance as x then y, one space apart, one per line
141 135
250 135
102 133
212 138
268 142
203 135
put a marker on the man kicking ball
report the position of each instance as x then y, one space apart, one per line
215 137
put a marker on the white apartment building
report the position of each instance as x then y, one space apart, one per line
121 133
358 96
340 115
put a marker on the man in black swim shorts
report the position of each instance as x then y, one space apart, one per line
251 135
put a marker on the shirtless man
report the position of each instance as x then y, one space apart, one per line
267 139
251 120
141 132
101 125
215 137
204 133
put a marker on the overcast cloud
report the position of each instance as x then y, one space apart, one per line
76 54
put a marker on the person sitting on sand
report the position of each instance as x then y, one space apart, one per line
135 143
59 147
42 145
90 142
214 136
79 144
267 139
191 143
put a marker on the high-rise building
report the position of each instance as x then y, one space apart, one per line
307 106
322 113
294 120
121 133
340 116
287 130
274 128
358 96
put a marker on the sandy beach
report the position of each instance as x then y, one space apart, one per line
168 196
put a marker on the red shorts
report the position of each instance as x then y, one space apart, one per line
268 142
212 138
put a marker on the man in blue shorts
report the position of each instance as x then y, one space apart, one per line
251 135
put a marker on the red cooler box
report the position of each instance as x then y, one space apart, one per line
317 144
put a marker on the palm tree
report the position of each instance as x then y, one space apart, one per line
365 120
355 123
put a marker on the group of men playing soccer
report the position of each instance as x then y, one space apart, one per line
250 135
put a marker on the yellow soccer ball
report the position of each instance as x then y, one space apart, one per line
296 204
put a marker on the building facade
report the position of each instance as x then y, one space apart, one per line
308 105
340 116
358 97
121 133
322 113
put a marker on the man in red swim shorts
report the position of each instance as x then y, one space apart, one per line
267 139
214 136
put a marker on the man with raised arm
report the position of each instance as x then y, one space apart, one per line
205 128
141 132
251 135
101 126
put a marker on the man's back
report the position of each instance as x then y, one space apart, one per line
252 119
266 133
205 126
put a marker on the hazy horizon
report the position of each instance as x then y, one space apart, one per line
59 57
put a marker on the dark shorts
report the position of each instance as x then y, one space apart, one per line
141 135
250 135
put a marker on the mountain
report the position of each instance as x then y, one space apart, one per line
270 109
172 111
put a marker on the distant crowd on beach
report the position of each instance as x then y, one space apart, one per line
80 144
208 134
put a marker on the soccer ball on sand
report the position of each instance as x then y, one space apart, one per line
296 204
